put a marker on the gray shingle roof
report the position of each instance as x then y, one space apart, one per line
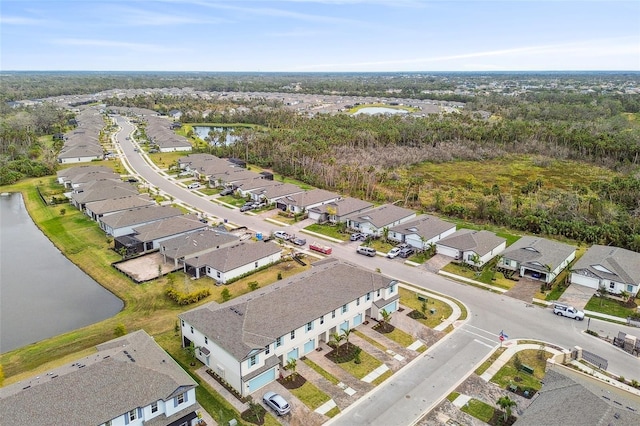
278 191
72 172
344 206
624 264
168 227
536 252
426 226
383 215
229 258
117 204
258 318
563 401
307 198
481 242
108 385
197 242
140 215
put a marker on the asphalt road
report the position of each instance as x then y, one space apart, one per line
412 392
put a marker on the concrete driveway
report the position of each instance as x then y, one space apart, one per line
577 296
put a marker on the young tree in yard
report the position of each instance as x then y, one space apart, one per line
120 330
226 295
506 404
292 364
386 316
345 334
423 308
337 338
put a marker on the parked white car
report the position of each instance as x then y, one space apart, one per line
193 185
568 311
393 252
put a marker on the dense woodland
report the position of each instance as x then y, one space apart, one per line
383 158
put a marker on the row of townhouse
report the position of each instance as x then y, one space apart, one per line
247 340
82 144
127 381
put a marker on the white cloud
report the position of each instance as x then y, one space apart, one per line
142 47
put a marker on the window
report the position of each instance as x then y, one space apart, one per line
358 301
378 295
180 398
256 264
133 414
344 308
183 323
278 342
333 313
630 288
368 297
252 361
154 407
206 340
322 320
191 329
392 289
293 334
267 349
310 326
218 275
612 285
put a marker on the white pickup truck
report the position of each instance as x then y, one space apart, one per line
568 311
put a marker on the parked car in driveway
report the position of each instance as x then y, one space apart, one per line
358 236
406 252
246 208
227 191
393 252
277 403
193 185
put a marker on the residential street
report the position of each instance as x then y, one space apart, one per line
412 392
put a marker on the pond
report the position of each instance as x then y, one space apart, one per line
43 293
216 135
380 110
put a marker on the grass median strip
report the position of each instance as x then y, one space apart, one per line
321 371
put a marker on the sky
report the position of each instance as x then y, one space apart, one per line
319 35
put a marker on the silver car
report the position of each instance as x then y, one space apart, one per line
277 402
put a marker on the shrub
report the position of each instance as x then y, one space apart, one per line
120 330
187 298
226 294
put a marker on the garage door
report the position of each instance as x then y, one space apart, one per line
261 380
309 346
293 354
357 320
392 307
344 326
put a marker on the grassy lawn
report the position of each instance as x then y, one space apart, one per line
370 340
234 201
453 396
609 307
310 395
400 337
329 231
333 412
484 276
409 299
165 159
509 375
381 378
478 409
367 365
485 365
321 371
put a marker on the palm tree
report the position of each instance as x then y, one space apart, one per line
291 365
506 403
345 334
337 338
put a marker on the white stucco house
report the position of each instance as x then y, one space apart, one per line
422 231
248 340
472 247
128 381
613 269
374 221
537 258
233 261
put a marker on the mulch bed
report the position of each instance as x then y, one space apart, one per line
383 327
343 353
250 415
293 381
226 385
498 419
416 315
